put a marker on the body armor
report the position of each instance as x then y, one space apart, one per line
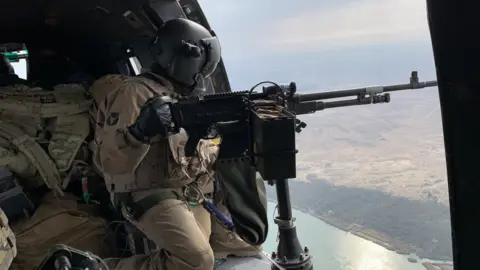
8 249
164 164
42 141
46 128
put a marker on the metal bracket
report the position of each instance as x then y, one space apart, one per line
372 90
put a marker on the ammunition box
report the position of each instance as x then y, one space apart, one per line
274 144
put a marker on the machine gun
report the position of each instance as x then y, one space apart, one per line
261 127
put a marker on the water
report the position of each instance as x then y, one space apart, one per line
334 249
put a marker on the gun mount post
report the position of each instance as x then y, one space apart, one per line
290 253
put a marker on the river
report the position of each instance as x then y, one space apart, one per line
334 249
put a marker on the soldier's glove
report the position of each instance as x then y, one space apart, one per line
154 119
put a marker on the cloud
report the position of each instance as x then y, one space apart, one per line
322 44
252 28
355 23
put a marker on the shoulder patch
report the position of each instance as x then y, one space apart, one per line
112 119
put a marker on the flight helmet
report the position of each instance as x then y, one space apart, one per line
186 53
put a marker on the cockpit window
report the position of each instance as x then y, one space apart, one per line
19 61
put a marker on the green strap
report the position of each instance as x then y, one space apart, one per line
139 208
193 204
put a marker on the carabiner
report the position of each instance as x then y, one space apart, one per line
194 195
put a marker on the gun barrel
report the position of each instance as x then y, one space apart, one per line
345 103
414 84
313 106
298 98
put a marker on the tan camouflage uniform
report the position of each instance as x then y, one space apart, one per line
99 92
143 171
58 220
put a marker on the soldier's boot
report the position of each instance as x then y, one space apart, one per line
226 243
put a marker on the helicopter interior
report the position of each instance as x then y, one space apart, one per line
99 44
98 34
100 37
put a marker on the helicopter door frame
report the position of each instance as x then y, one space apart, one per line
456 47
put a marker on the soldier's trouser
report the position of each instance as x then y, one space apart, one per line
182 243
59 220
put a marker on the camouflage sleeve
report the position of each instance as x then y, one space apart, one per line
212 147
119 152
7 241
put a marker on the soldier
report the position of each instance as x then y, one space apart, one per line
149 177
41 151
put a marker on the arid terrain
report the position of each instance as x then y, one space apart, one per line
396 148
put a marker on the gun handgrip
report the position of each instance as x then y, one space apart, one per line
191 145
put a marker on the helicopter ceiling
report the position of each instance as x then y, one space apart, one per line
99 20
94 25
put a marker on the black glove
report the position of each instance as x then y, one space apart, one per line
154 119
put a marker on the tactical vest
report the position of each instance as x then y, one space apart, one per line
165 164
8 247
46 128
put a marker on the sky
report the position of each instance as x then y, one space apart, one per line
20 68
318 43
322 43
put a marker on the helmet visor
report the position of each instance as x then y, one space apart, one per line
212 48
